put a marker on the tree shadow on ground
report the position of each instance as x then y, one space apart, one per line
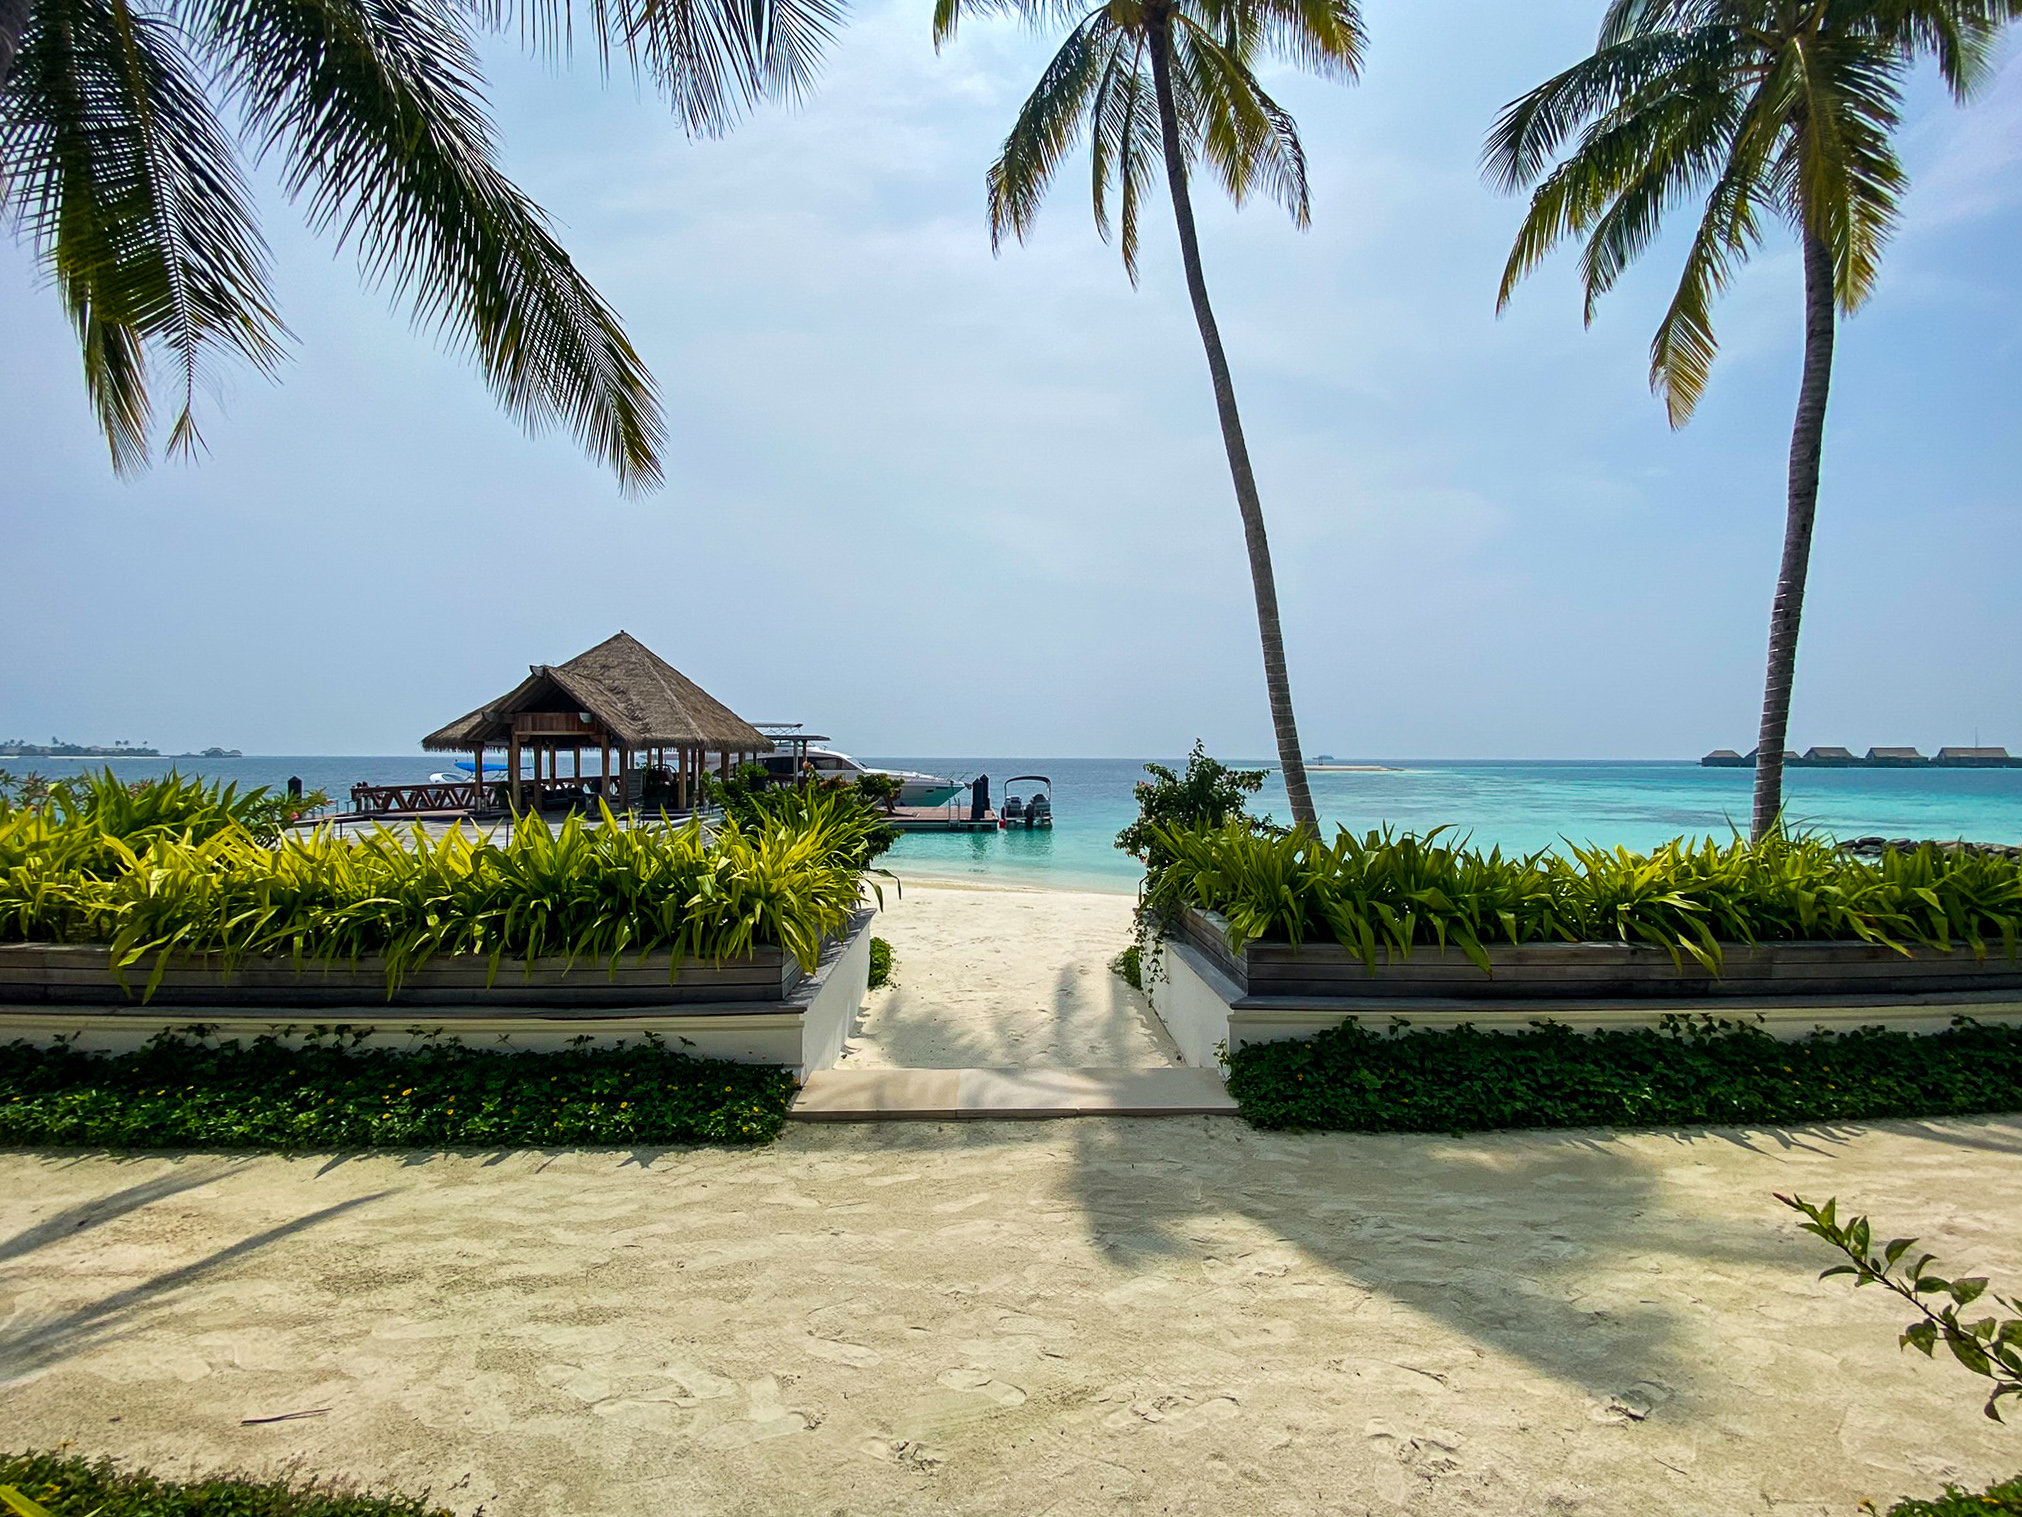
33 1342
71 1220
1569 1252
1099 1022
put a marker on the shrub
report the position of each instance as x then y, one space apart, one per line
1350 1079
191 883
1388 893
752 801
334 1093
2002 1500
881 963
1208 797
1129 966
65 1485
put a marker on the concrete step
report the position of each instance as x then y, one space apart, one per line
898 1095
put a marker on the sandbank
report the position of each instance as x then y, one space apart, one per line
1073 1318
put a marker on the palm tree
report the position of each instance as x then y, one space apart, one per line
117 163
1785 107
1176 79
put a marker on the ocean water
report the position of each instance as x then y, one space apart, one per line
1521 806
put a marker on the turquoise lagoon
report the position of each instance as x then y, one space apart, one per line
1519 805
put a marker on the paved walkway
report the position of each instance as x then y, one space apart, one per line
1071 1318
872 1095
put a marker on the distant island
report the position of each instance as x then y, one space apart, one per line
57 748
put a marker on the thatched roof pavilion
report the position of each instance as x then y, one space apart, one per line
619 699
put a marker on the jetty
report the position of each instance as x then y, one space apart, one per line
1875 758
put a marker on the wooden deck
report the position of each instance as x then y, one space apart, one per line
953 818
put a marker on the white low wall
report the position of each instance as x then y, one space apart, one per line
805 1033
1208 1016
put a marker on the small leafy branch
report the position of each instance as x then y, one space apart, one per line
1990 1347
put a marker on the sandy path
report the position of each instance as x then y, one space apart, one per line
1179 1316
990 977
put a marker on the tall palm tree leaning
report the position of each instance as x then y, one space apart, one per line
1173 80
1779 106
118 167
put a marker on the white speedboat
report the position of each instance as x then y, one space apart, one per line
915 789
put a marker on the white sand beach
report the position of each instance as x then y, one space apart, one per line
1080 1317
992 977
1178 1315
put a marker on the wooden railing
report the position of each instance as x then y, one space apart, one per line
462 795
389 800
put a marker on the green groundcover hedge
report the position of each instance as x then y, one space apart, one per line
2003 1500
189 1093
1693 1072
67 1486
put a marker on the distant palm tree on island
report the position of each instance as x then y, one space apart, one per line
1779 106
1173 80
117 160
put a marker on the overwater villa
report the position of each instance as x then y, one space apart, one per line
1876 758
617 723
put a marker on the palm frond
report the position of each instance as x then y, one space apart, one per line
375 108
1036 14
1844 179
1124 146
1531 130
1323 37
1958 35
1048 126
130 191
1681 355
1249 139
712 59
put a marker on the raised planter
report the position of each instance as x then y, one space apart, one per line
759 1008
1558 971
1214 1001
42 973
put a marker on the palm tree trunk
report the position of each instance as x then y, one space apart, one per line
1807 439
1277 682
13 23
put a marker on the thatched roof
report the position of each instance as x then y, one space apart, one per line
640 698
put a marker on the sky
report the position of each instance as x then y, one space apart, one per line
931 500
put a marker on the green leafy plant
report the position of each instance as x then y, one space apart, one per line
750 798
881 963
1209 795
2003 1499
1128 966
879 790
58 1483
1691 1072
124 133
334 1092
1990 1346
1386 893
154 881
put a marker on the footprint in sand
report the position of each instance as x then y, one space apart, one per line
853 1354
1000 1391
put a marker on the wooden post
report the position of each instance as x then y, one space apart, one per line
513 769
